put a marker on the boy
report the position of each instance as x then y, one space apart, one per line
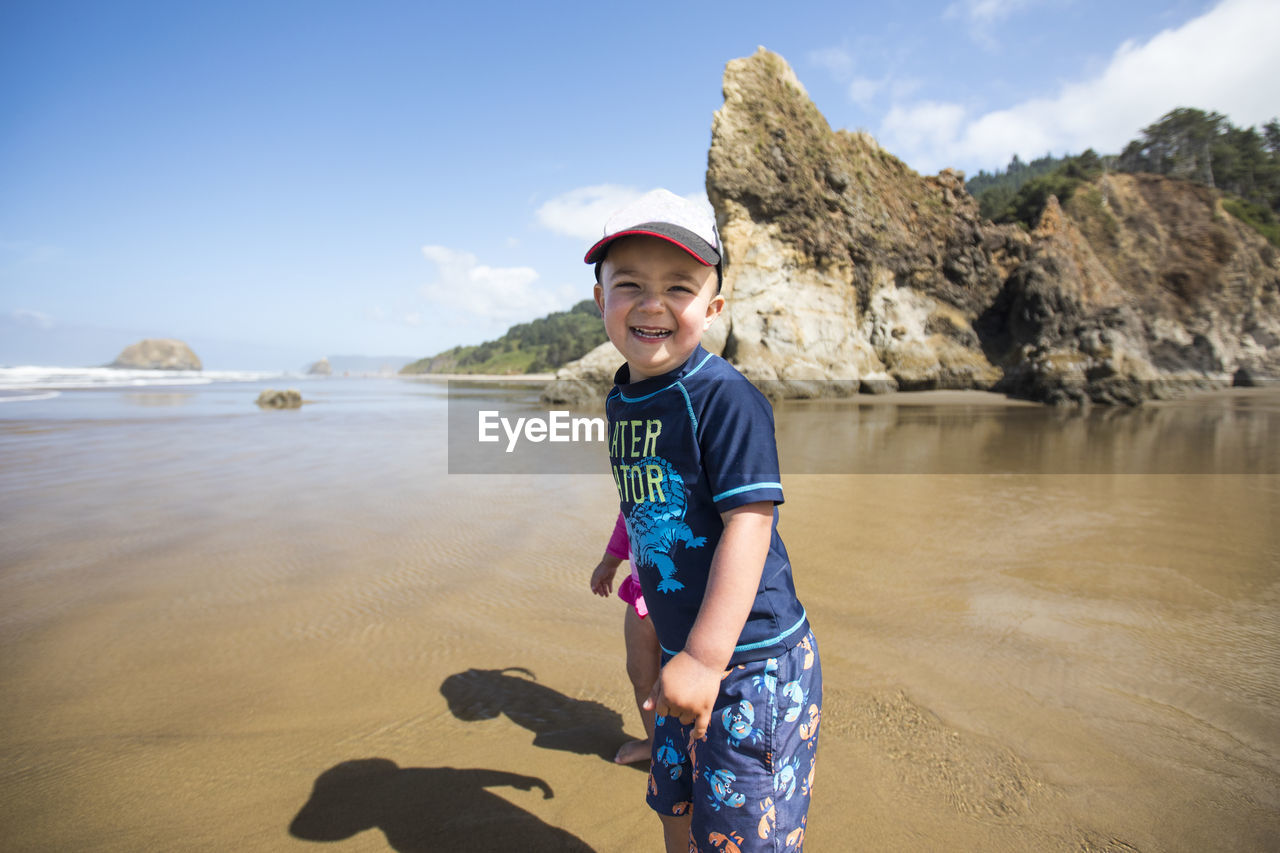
692 450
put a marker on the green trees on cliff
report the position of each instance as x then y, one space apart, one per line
534 347
1188 144
1205 148
995 190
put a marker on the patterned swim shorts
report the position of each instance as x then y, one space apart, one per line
747 783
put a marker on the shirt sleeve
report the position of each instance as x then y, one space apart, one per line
619 546
739 453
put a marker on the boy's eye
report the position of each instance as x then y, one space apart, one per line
624 284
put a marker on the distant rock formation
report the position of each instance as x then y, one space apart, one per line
847 265
270 398
320 368
157 354
367 365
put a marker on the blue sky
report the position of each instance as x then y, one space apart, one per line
278 181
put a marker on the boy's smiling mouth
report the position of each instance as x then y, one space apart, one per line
650 333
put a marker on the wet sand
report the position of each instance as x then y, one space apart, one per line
228 634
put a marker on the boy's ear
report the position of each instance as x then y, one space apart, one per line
599 294
714 307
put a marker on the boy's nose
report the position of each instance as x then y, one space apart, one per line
650 302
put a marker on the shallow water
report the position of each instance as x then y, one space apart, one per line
1039 630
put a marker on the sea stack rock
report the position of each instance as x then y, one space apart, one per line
320 368
157 354
846 264
847 269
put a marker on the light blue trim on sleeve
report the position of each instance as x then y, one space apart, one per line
688 404
747 488
698 367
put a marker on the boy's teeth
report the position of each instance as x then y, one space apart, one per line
652 333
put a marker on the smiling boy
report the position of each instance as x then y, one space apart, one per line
739 695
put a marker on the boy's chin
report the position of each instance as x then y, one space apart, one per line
650 367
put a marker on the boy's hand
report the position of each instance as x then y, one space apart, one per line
686 689
602 578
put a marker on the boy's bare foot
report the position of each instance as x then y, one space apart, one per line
633 751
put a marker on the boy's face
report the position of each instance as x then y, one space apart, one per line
656 301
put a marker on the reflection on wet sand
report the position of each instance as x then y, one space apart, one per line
975 433
158 398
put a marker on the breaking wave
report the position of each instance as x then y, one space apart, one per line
29 378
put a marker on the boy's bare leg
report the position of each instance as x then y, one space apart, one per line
675 832
643 664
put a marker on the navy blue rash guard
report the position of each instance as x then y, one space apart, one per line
685 447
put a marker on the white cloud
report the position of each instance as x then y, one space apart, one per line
581 213
1225 60
920 125
34 319
498 294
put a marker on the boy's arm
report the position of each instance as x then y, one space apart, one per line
690 682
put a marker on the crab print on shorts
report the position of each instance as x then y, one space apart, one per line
752 774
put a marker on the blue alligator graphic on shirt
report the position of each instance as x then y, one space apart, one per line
655 527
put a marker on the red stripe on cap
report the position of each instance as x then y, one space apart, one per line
633 233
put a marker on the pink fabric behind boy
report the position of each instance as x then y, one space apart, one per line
629 590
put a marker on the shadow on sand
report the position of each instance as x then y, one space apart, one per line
423 809
557 721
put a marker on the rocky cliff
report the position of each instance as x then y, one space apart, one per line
157 354
846 265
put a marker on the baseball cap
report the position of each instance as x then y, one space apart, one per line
663 214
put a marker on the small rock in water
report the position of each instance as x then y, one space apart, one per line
273 399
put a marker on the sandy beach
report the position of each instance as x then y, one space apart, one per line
224 629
